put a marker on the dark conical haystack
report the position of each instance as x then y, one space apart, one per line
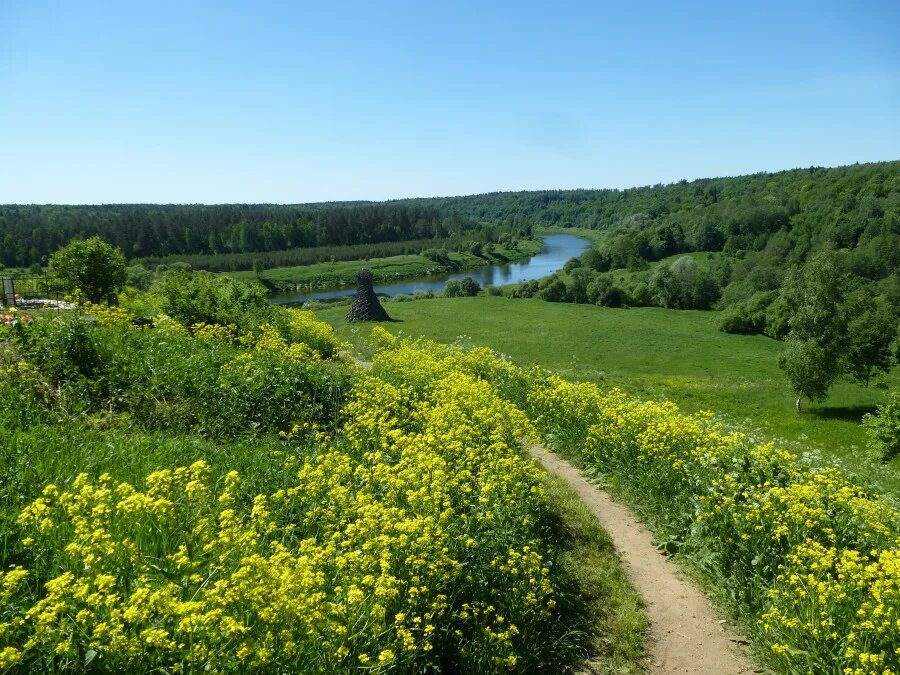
366 306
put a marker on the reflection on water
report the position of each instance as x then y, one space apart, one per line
558 248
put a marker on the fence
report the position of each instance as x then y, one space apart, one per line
33 291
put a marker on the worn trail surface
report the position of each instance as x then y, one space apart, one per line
686 636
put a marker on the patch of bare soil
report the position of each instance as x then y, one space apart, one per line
686 635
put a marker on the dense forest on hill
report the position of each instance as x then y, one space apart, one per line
29 233
842 206
788 214
719 242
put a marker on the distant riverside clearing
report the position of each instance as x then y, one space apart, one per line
553 250
655 353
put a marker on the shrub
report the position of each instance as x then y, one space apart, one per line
602 291
92 266
883 428
748 316
138 277
469 287
466 287
684 285
452 289
200 297
554 291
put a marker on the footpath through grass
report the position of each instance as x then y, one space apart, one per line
654 353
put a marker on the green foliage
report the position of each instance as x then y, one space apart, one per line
65 350
818 327
461 288
469 287
748 316
554 291
815 293
143 230
809 369
872 335
92 266
604 292
883 428
165 379
200 297
778 316
843 334
139 277
684 285
577 285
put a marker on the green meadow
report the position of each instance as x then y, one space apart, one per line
654 353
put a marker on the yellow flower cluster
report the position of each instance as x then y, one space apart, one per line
309 337
109 315
413 531
306 328
812 556
215 334
269 341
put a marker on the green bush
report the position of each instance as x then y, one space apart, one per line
138 276
602 291
92 266
883 428
200 297
166 379
466 287
748 316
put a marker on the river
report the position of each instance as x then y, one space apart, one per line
558 248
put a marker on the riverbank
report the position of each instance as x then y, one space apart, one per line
343 273
556 250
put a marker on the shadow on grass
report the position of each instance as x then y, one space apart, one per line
600 615
848 413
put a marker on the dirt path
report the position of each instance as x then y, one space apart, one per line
686 636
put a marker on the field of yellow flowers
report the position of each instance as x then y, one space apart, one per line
211 498
205 499
809 561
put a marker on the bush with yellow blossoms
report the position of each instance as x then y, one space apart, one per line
404 532
808 559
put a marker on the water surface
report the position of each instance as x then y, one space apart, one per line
558 248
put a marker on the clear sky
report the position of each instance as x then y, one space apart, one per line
194 101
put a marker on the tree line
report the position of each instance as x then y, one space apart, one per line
30 233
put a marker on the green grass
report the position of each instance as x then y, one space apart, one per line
344 272
656 353
612 611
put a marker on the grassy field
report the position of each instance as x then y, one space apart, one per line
343 272
655 353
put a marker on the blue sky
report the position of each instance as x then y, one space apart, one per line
310 101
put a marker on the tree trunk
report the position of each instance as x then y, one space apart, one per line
799 410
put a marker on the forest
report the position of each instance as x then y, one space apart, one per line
29 233
735 244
